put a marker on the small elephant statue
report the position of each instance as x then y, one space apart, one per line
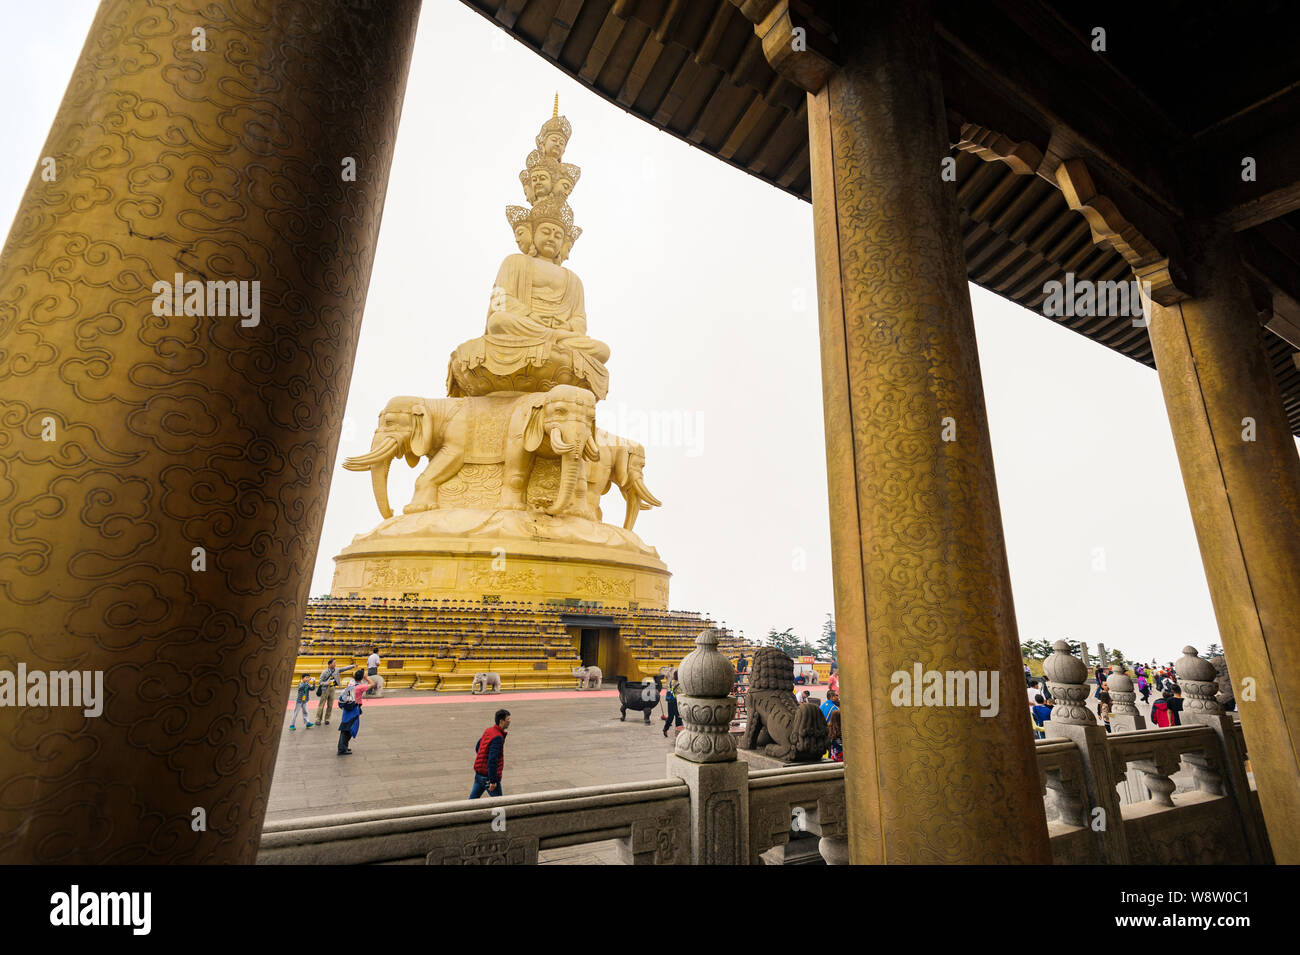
621 463
489 682
589 678
668 674
556 424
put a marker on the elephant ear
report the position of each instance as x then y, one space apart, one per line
533 428
421 433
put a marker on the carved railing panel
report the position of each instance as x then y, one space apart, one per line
650 820
816 790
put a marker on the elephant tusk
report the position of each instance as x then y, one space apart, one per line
557 442
379 482
380 454
643 492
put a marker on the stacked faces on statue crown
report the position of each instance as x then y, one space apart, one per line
547 182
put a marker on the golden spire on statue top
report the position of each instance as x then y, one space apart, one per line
555 133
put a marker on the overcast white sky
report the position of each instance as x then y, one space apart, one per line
701 280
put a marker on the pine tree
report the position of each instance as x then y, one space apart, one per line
826 645
785 641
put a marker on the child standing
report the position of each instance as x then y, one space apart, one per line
836 748
300 704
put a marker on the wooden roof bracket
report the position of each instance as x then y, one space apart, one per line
799 44
1110 227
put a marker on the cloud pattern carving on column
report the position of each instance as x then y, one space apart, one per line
181 431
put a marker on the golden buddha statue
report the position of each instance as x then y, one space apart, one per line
536 335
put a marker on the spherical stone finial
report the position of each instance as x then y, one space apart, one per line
1191 666
1061 667
1122 697
706 678
1119 682
1065 675
1199 682
704 672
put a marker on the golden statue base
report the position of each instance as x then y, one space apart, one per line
506 555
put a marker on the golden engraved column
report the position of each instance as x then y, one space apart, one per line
920 565
163 477
1242 476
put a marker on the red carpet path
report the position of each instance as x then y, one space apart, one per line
428 697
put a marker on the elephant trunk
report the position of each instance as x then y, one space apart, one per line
377 461
570 468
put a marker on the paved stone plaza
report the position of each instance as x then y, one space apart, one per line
419 748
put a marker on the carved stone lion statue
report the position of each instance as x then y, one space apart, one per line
778 726
486 683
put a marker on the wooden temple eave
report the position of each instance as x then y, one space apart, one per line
1025 95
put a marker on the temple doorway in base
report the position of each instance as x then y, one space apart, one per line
590 649
596 640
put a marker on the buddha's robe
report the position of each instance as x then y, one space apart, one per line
536 317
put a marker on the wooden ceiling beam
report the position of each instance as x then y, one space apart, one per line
1086 108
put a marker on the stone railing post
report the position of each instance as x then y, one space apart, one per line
705 757
1072 720
1198 679
1124 716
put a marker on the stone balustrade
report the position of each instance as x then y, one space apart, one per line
1109 798
649 820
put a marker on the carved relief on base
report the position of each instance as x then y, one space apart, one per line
487 849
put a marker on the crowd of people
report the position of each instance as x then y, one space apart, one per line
1164 711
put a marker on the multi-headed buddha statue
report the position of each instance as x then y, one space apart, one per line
536 335
512 461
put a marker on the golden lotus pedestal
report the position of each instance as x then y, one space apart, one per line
506 555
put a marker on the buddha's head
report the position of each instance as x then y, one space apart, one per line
554 134
539 179
517 216
553 231
524 238
553 144
549 238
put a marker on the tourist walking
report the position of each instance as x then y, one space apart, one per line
834 683
1160 709
327 687
1041 713
372 673
670 699
1144 688
835 749
1175 705
1033 691
490 757
831 705
350 706
1103 709
300 703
